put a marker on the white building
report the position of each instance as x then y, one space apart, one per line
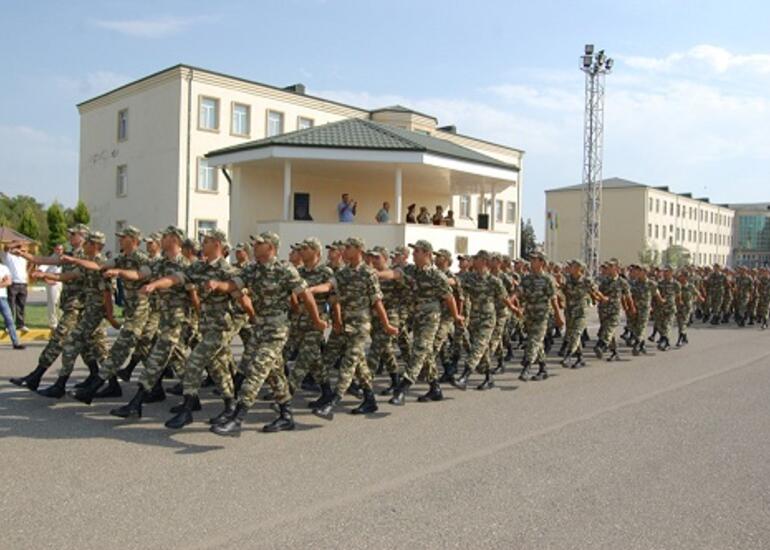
635 217
143 161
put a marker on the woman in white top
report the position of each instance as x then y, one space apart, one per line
5 309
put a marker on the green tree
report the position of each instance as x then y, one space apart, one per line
528 242
649 255
28 225
57 226
676 256
80 214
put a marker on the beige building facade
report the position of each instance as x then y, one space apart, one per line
636 217
144 146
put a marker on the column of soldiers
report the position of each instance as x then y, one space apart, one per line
362 312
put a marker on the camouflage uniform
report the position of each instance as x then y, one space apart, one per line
715 287
689 292
642 291
670 291
335 344
744 289
502 315
613 288
536 292
577 296
483 290
270 284
763 298
383 347
135 312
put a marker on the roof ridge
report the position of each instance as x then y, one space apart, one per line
383 129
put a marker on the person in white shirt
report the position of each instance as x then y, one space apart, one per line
53 289
17 292
5 310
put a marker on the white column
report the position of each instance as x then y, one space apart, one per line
493 209
286 190
399 195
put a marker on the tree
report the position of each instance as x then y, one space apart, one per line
28 225
80 214
528 242
676 256
649 255
57 226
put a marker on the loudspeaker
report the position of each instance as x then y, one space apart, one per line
302 207
483 220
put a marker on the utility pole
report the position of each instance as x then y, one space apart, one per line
595 66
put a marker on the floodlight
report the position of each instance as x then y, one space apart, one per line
589 50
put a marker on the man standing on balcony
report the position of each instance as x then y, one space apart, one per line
347 209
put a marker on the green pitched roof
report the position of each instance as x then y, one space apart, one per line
356 133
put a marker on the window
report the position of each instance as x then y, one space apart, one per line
240 125
510 212
649 231
677 233
650 205
121 181
204 226
123 125
208 113
207 177
303 123
512 248
461 245
274 123
657 206
671 208
664 231
465 206
656 231
499 211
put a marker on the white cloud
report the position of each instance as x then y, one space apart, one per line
148 28
39 164
716 59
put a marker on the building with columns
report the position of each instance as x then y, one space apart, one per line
636 217
200 149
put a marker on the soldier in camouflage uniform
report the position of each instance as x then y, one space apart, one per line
744 292
310 352
173 307
405 312
292 343
763 297
97 306
689 295
618 294
430 287
670 293
579 289
715 287
502 313
272 285
71 305
643 291
332 352
460 339
729 296
483 290
537 294
355 292
448 326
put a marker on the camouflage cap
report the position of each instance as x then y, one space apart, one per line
399 250
667 267
96 237
312 242
241 246
217 235
267 237
443 253
191 244
380 251
336 245
613 262
463 257
422 244
537 255
171 230
154 236
482 255
579 263
495 256
79 228
356 242
296 247
129 231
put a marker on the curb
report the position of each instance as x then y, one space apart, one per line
34 335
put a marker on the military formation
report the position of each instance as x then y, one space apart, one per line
332 318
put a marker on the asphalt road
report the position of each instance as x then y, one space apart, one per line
666 451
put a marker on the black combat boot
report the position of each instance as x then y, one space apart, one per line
86 394
156 394
126 372
30 381
399 394
208 382
599 349
652 336
93 370
680 340
57 390
563 349
525 375
715 319
509 351
434 393
663 344
725 318
284 422
309 384
368 405
395 380
584 337
542 373
614 356
355 390
451 370
226 413
488 382
112 389
764 323
176 389
180 406
231 427
578 360
462 382
184 416
168 373
327 409
500 368
134 407
325 397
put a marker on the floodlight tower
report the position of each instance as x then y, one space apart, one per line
595 66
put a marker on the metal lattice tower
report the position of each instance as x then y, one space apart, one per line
595 66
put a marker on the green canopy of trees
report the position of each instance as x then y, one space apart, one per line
47 226
528 240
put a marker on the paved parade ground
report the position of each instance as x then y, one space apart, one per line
666 451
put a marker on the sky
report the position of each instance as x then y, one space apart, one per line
687 103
